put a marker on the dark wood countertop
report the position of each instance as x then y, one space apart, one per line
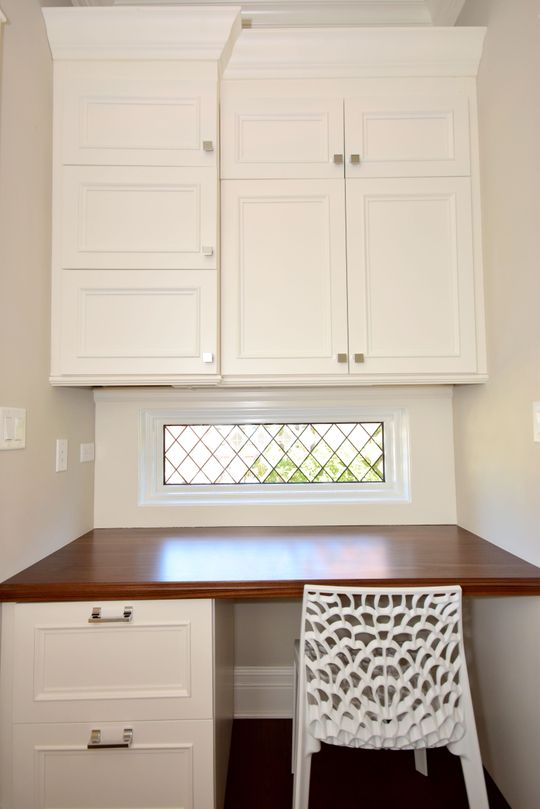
122 563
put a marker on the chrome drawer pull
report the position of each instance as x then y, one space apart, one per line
96 744
125 618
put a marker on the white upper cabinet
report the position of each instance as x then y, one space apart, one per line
117 324
411 290
113 114
138 218
410 309
347 246
375 128
284 307
135 193
407 134
285 132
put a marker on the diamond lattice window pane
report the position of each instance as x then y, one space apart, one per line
218 454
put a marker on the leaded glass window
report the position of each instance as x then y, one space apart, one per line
273 453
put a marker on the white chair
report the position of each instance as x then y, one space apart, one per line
384 669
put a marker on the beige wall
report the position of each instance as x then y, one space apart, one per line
497 463
40 510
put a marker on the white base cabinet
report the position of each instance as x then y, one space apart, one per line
166 766
116 711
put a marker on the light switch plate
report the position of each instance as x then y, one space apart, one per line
12 428
536 421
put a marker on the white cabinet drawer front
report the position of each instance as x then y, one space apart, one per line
411 275
281 137
113 116
70 669
284 277
167 766
138 218
407 136
138 321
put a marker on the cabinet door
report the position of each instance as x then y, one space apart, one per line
167 766
283 277
411 276
281 137
407 135
138 218
110 113
157 666
135 323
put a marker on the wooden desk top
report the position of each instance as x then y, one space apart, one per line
122 563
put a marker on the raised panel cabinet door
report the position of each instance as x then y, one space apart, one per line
167 765
119 114
407 135
157 665
411 276
138 218
283 278
281 137
139 322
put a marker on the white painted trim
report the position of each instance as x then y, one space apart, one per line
273 13
395 489
263 692
356 52
232 383
141 32
245 406
290 395
265 13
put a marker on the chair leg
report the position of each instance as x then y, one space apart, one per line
420 760
302 774
295 706
471 762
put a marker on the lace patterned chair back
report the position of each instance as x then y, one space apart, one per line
384 669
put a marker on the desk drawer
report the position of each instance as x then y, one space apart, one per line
157 664
168 764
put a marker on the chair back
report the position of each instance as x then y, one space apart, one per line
383 668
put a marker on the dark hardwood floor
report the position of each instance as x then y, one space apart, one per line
341 778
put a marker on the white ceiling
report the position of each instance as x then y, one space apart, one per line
264 13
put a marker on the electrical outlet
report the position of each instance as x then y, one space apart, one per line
86 453
61 454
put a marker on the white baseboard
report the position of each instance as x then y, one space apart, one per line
263 692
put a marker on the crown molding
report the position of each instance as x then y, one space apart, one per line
356 52
301 13
184 33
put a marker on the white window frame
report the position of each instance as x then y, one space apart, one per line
241 407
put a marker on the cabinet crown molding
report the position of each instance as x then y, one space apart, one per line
356 52
272 13
185 33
